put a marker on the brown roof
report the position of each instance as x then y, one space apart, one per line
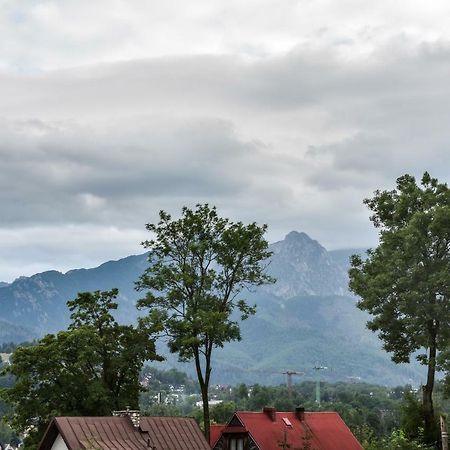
118 433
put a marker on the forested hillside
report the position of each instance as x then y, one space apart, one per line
308 316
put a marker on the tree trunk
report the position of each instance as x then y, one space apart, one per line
206 420
427 397
203 381
444 433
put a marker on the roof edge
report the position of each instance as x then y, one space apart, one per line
49 436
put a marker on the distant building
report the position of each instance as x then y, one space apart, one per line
272 430
8 447
213 402
123 433
5 358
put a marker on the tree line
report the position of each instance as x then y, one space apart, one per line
382 418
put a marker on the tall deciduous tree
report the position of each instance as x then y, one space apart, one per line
405 281
199 265
91 369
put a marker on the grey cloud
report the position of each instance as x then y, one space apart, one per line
296 140
57 172
197 84
28 250
42 34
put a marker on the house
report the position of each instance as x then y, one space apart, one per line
125 432
7 447
272 430
5 358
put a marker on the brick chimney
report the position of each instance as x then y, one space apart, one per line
270 412
300 413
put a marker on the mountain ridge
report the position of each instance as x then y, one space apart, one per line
307 316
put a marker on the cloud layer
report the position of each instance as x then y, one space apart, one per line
290 120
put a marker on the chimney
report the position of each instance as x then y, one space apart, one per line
300 413
270 412
133 414
135 417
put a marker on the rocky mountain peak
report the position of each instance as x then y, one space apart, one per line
298 237
299 244
303 267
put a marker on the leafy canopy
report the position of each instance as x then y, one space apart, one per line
90 369
405 282
199 265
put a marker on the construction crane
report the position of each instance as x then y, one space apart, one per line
317 367
289 374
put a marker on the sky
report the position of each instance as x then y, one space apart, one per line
286 112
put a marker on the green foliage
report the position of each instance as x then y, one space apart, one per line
396 441
260 396
167 388
7 435
405 282
161 409
223 412
199 265
365 435
380 417
411 416
157 380
91 369
375 414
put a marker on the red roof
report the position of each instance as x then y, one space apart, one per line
118 433
215 433
323 430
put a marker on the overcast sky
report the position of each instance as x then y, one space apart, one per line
285 112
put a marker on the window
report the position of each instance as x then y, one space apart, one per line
237 444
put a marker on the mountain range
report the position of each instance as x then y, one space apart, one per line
307 318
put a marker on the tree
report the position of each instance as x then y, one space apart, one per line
405 282
199 264
223 412
91 369
396 441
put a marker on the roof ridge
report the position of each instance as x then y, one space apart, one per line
168 417
289 412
